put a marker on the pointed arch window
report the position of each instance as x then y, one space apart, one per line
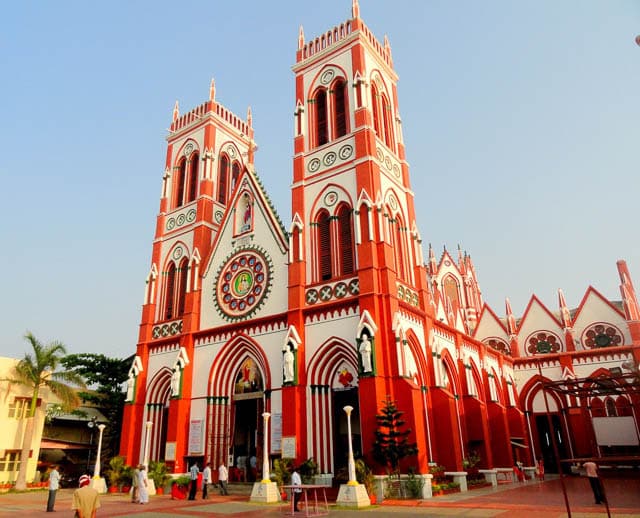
375 110
450 288
345 240
340 108
193 177
610 407
182 286
179 183
387 117
324 245
399 250
168 293
223 179
322 126
235 174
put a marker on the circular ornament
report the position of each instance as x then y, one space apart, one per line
601 335
329 158
242 284
188 149
330 198
345 152
392 202
396 171
177 253
180 219
191 215
218 216
171 223
314 165
327 76
231 151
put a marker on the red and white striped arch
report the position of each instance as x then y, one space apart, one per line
158 395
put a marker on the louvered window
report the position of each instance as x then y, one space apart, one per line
340 108
169 291
324 245
223 175
193 177
346 241
179 185
322 128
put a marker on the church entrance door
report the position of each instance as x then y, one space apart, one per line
342 398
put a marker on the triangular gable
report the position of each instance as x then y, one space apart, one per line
448 265
489 324
596 309
537 317
591 291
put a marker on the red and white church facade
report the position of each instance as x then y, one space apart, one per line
244 314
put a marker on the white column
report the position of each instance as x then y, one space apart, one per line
265 452
96 471
351 463
147 440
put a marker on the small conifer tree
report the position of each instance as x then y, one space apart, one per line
392 440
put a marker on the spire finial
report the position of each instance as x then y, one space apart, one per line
249 117
212 90
176 111
300 38
355 9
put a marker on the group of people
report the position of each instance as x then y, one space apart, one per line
140 485
86 500
194 471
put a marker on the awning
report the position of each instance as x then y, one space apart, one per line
519 444
48 444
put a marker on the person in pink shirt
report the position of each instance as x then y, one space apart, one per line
591 470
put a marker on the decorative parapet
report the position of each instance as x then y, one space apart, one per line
408 295
333 291
166 329
179 218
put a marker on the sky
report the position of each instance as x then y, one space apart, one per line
520 122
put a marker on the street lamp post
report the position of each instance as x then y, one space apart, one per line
96 471
265 453
350 462
148 426
91 424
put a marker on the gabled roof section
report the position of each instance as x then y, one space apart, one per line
489 324
592 292
535 302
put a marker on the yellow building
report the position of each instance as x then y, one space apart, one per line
14 408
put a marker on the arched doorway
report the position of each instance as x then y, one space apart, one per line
157 412
247 422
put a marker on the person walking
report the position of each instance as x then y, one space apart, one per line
193 473
223 476
54 485
540 469
206 480
143 485
134 485
86 500
591 470
297 492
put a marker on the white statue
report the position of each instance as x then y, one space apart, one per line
175 382
365 353
131 381
288 361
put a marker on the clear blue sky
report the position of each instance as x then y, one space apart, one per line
520 120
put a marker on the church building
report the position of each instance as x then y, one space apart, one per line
343 304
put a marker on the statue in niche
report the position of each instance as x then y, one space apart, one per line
288 360
131 382
365 353
175 382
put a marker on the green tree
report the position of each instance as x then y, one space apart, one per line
106 377
37 371
392 441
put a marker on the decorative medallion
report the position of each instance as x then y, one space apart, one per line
231 151
171 223
447 262
542 343
327 76
329 158
379 154
345 377
601 335
180 220
218 216
340 290
330 198
392 202
191 215
177 253
188 149
396 171
345 152
387 163
242 283
314 165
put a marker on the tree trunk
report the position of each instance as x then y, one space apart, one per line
21 481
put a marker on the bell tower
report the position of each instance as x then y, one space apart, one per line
354 228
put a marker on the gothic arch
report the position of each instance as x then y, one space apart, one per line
322 374
157 403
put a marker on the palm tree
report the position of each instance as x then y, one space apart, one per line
37 371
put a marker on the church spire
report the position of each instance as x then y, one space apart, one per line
355 9
511 320
176 111
300 38
249 117
212 90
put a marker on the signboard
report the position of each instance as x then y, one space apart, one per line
276 432
288 447
170 451
196 428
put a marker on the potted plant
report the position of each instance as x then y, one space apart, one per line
180 487
125 481
282 474
159 473
307 470
364 476
115 473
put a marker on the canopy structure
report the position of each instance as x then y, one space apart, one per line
617 383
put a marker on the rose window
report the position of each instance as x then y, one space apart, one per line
601 335
242 283
498 345
543 343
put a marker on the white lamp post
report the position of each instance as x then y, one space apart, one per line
265 452
265 491
96 471
147 446
352 494
350 462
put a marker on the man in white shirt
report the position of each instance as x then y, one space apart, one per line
297 493
206 480
54 484
223 476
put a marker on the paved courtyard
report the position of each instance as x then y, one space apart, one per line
532 499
